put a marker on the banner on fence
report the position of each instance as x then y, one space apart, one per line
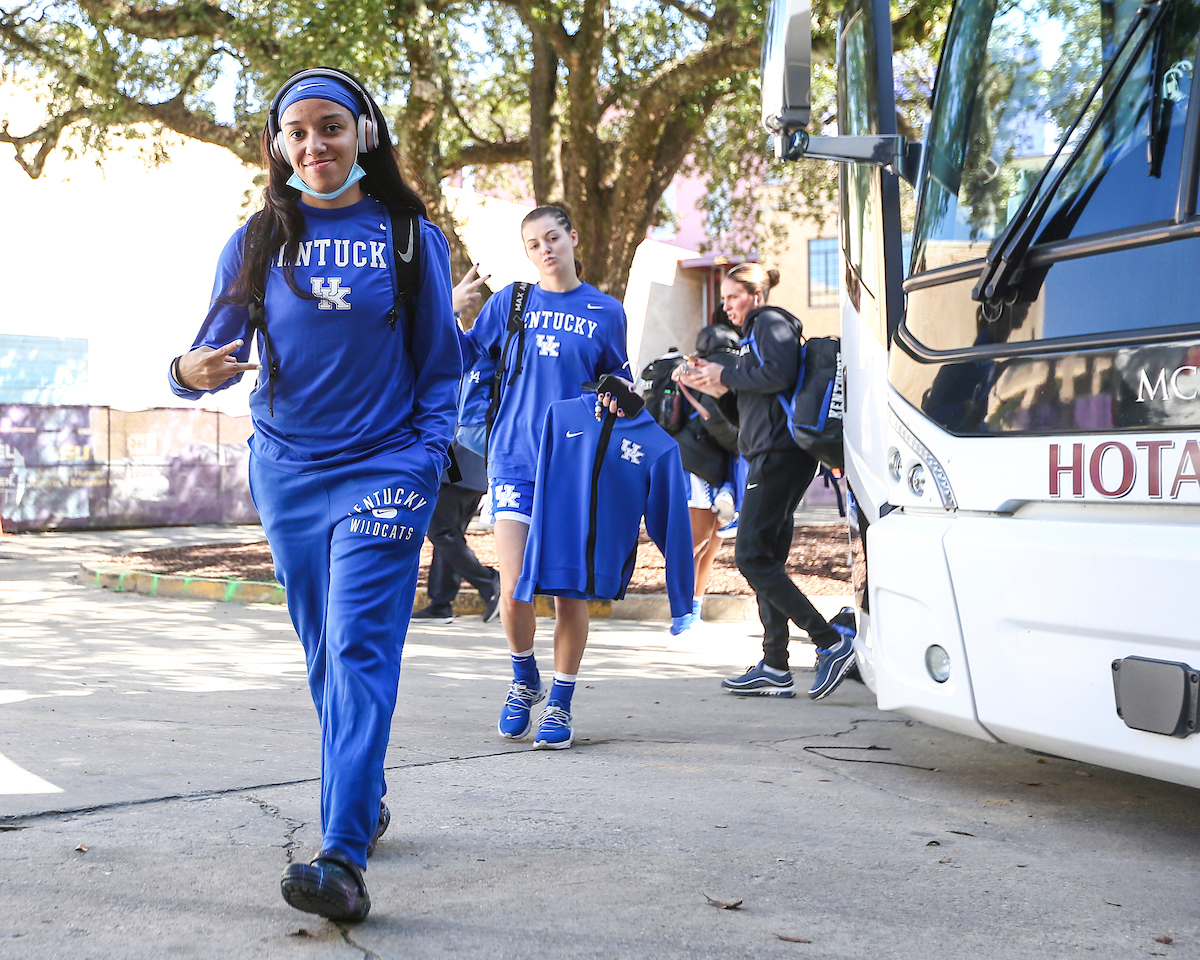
76 467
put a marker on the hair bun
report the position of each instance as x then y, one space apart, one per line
773 277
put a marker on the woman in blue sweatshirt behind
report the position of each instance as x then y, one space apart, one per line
352 420
569 333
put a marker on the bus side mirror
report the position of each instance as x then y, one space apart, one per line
787 67
787 101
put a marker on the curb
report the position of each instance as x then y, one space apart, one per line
636 607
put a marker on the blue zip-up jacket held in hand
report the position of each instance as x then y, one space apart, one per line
595 482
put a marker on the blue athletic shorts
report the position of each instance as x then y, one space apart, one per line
511 499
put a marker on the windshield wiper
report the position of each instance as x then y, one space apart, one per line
1000 275
1162 101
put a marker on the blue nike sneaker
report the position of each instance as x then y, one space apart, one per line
757 682
834 662
554 732
515 721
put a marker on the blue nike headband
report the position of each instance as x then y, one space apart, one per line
322 88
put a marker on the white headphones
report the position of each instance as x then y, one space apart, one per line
368 126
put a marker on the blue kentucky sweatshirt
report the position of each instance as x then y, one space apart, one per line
595 482
349 385
564 341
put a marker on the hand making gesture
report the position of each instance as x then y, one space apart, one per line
206 369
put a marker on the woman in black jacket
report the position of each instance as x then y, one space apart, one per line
779 474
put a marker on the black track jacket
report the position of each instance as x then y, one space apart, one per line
763 422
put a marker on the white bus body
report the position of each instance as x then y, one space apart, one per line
1026 464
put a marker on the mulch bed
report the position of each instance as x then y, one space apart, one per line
818 562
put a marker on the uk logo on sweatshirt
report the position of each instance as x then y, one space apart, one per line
330 292
631 451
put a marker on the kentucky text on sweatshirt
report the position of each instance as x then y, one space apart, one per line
595 481
347 386
570 339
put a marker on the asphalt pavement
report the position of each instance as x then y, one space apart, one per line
160 769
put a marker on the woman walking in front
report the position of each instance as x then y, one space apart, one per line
346 288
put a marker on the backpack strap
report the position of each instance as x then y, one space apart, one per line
406 260
266 354
516 328
786 398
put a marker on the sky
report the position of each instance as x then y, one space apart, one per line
122 257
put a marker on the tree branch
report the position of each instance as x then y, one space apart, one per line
554 31
240 140
683 77
46 136
690 9
486 154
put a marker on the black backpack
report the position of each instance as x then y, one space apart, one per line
815 405
663 399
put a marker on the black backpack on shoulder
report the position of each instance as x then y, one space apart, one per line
663 399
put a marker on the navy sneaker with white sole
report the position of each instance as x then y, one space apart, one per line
555 731
515 719
758 682
834 662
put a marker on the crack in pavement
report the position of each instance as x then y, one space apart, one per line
776 745
290 842
344 930
230 791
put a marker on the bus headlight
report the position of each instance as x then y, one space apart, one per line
895 465
916 479
926 473
937 662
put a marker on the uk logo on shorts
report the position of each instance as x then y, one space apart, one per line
508 497
631 451
548 345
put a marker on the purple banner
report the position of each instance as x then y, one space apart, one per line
84 467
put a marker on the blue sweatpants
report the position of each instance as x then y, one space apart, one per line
346 542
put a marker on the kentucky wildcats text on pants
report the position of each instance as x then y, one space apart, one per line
347 543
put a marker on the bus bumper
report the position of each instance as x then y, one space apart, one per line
1032 612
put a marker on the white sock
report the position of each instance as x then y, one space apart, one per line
523 654
775 672
565 677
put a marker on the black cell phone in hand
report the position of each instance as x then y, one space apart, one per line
628 402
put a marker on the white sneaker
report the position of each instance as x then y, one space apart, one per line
725 507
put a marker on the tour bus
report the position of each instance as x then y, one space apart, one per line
1022 427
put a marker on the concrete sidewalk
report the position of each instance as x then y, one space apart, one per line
176 742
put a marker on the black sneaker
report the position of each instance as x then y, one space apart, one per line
434 614
331 886
385 818
492 606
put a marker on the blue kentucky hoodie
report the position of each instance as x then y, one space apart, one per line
595 482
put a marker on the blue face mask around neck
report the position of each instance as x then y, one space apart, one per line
356 174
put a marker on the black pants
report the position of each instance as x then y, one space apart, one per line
453 561
776 481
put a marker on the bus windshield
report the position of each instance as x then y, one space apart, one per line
1014 76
